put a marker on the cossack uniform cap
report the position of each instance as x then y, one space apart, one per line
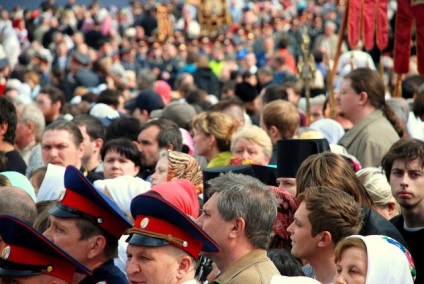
81 200
27 252
158 223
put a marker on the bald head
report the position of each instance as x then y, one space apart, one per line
15 201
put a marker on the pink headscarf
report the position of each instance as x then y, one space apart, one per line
181 193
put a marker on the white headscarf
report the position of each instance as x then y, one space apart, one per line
123 189
21 181
53 183
329 128
388 261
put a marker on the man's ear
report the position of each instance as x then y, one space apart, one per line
185 265
274 132
96 246
363 98
393 211
170 147
325 239
238 227
98 144
3 127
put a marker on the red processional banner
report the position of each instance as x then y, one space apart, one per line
408 13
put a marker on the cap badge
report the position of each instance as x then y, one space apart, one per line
99 220
185 244
144 223
5 253
49 268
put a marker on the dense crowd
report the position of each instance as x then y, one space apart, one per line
135 153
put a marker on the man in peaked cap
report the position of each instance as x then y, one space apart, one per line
290 155
80 74
146 102
88 224
164 243
29 257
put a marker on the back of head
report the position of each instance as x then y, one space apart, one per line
332 210
376 184
418 105
127 127
8 115
274 92
284 42
331 170
218 124
232 106
17 202
406 150
109 97
285 262
410 86
246 197
283 115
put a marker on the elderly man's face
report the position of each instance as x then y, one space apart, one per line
213 223
151 265
65 233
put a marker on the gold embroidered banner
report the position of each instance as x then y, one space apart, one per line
165 29
213 15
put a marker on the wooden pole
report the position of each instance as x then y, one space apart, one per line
398 90
340 41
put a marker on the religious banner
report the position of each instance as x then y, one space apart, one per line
368 18
165 28
408 13
213 15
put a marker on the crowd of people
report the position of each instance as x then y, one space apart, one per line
126 157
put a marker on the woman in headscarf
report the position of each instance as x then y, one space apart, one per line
177 165
181 193
373 259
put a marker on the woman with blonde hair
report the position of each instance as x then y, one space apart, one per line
174 165
252 144
380 191
212 137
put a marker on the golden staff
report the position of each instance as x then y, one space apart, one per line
306 70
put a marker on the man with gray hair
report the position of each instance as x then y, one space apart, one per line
239 216
29 129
